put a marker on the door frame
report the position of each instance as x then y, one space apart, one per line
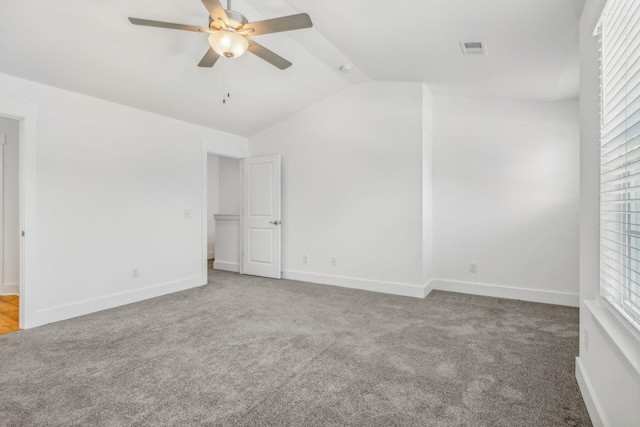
206 150
27 116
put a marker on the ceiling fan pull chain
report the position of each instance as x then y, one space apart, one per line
224 80
228 85
228 89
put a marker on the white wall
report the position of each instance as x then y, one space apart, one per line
112 186
608 368
213 179
402 186
352 188
230 186
10 233
506 196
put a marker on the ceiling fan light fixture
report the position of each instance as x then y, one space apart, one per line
228 44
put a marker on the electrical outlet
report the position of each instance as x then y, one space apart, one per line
135 272
586 339
334 261
473 267
305 258
186 213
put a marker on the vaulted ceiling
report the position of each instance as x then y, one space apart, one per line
88 46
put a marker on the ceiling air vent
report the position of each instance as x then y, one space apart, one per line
473 47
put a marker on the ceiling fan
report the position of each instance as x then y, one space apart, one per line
229 30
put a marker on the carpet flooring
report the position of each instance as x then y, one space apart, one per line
258 352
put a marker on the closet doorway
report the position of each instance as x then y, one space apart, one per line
224 203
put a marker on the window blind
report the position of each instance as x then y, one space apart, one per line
619 31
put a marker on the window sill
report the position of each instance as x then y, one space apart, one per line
624 337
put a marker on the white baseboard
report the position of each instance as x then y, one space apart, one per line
81 308
9 289
226 266
588 396
211 255
428 288
533 295
402 289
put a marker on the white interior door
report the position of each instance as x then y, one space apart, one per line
261 217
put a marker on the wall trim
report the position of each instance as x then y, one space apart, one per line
211 255
403 289
10 289
226 266
589 397
509 292
81 308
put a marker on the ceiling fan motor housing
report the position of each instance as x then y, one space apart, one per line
236 21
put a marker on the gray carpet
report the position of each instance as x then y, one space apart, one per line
252 351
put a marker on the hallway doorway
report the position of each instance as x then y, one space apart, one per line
26 116
9 224
9 314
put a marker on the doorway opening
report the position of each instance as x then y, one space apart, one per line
224 201
241 214
9 225
24 116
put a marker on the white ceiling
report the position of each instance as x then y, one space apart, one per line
88 46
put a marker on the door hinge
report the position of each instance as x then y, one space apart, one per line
22 233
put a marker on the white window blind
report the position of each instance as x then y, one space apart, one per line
620 157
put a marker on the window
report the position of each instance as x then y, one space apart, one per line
619 31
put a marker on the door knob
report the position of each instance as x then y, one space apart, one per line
275 222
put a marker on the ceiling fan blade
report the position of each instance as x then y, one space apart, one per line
264 53
160 24
276 25
209 59
215 9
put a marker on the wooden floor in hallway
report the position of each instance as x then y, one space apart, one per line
9 306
